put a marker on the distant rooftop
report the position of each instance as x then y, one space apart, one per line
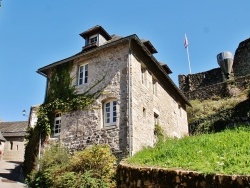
12 129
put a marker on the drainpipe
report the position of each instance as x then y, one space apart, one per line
129 102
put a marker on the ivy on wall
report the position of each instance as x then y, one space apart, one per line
61 96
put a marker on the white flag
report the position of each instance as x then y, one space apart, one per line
185 41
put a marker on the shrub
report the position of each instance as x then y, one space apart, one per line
97 159
92 167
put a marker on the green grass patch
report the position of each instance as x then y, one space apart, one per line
227 152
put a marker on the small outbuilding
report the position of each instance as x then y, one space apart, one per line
13 136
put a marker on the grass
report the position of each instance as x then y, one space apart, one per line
227 152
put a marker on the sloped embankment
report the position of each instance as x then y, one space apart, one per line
215 115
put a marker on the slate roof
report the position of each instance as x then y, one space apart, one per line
13 129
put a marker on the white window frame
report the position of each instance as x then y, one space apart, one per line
144 76
82 74
57 123
155 87
94 38
110 113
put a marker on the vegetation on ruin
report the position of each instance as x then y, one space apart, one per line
61 96
226 152
217 114
206 108
92 167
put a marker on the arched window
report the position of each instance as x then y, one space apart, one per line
57 124
110 113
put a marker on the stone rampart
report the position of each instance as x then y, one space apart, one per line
148 177
195 81
211 83
242 59
223 89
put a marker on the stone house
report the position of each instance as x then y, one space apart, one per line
14 133
138 94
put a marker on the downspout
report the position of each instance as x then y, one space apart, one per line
129 102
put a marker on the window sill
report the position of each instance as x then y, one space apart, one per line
55 135
106 127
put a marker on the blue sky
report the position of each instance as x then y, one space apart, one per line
36 33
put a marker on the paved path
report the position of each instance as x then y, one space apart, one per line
10 176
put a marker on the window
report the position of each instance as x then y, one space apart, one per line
110 113
92 39
154 87
11 145
156 119
144 112
83 74
179 106
143 76
57 124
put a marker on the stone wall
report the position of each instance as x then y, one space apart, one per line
242 59
14 149
80 129
151 103
129 176
192 82
223 89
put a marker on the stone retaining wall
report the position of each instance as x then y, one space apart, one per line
135 176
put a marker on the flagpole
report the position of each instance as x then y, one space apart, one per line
188 60
186 46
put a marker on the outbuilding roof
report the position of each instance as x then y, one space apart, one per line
14 129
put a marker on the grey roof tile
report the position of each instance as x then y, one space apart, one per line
17 128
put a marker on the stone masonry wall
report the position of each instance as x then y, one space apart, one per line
129 176
195 81
242 59
146 104
14 151
223 89
82 128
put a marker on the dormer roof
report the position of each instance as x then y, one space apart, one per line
166 68
149 46
95 30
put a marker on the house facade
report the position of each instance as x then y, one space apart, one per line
137 94
14 133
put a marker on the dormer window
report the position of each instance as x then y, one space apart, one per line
93 39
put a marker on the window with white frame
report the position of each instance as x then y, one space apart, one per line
93 39
154 87
57 124
110 113
143 76
179 106
83 74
